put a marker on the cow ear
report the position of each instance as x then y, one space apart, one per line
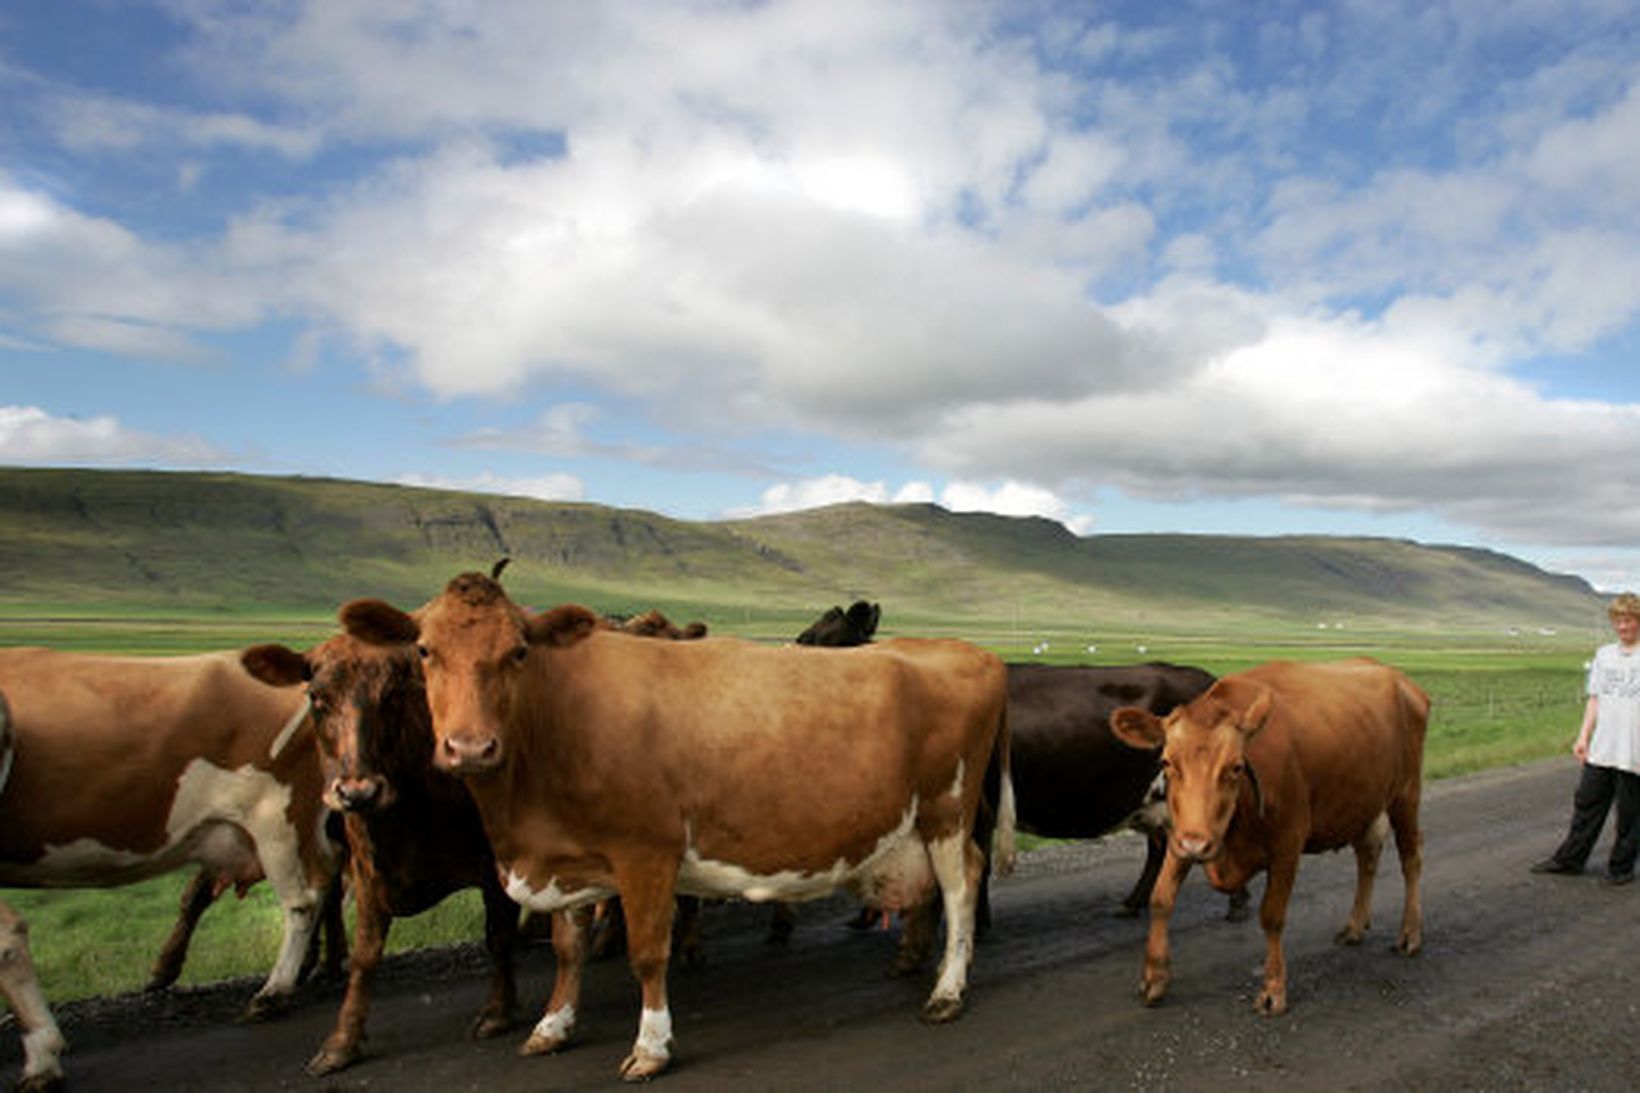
561 627
1137 727
377 623
693 631
1250 700
276 665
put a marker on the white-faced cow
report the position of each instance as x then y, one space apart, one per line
413 833
604 763
42 1041
128 767
1278 761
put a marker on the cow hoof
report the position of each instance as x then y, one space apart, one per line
264 1007
1409 944
1151 994
1349 936
937 1011
331 1059
490 1023
639 1067
1127 910
41 1083
538 1044
1271 1003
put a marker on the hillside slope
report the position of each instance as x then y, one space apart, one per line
145 539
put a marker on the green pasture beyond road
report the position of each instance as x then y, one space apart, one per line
1500 698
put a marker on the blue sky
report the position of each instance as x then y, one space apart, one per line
1357 268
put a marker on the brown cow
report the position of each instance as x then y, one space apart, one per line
413 833
1278 761
42 1041
128 767
604 763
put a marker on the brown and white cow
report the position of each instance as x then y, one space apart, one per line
129 767
42 1040
1278 761
604 763
413 833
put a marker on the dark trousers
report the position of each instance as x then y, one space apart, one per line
1596 791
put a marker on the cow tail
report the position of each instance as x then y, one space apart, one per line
1004 851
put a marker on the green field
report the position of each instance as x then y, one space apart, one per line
1500 698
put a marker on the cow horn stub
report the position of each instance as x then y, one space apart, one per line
495 570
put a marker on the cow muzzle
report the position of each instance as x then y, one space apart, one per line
359 793
469 753
1195 848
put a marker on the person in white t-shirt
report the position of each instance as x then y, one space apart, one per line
1608 745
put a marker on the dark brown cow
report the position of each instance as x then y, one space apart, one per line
413 833
1278 761
128 767
1073 779
42 1041
603 763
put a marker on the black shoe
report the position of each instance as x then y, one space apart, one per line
1555 865
1618 879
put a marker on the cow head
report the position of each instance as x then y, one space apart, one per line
844 628
654 624
1204 759
475 647
369 711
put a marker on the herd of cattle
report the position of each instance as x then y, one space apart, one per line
560 761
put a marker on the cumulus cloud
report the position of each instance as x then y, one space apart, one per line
30 435
1051 257
546 487
1009 498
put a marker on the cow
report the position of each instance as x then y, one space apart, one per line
1073 779
603 763
842 629
42 1040
413 833
1278 761
129 767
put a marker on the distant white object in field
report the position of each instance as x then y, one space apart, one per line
1093 648
1141 649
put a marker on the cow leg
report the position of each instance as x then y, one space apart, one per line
686 931
957 863
647 893
1272 916
301 920
1157 972
42 1040
500 941
197 895
372 921
1367 850
331 932
917 928
1155 854
782 922
1409 846
570 930
300 895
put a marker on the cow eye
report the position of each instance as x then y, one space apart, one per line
422 651
521 654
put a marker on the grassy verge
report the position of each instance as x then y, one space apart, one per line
1499 699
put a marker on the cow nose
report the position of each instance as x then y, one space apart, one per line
357 794
1194 847
470 751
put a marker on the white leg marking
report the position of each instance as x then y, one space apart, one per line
41 1047
950 868
556 1025
654 1035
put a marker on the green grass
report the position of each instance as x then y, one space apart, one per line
1498 700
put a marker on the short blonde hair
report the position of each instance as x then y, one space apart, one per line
1626 603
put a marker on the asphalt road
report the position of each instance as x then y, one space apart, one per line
1525 983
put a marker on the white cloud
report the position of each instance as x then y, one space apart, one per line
30 435
546 487
1008 498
